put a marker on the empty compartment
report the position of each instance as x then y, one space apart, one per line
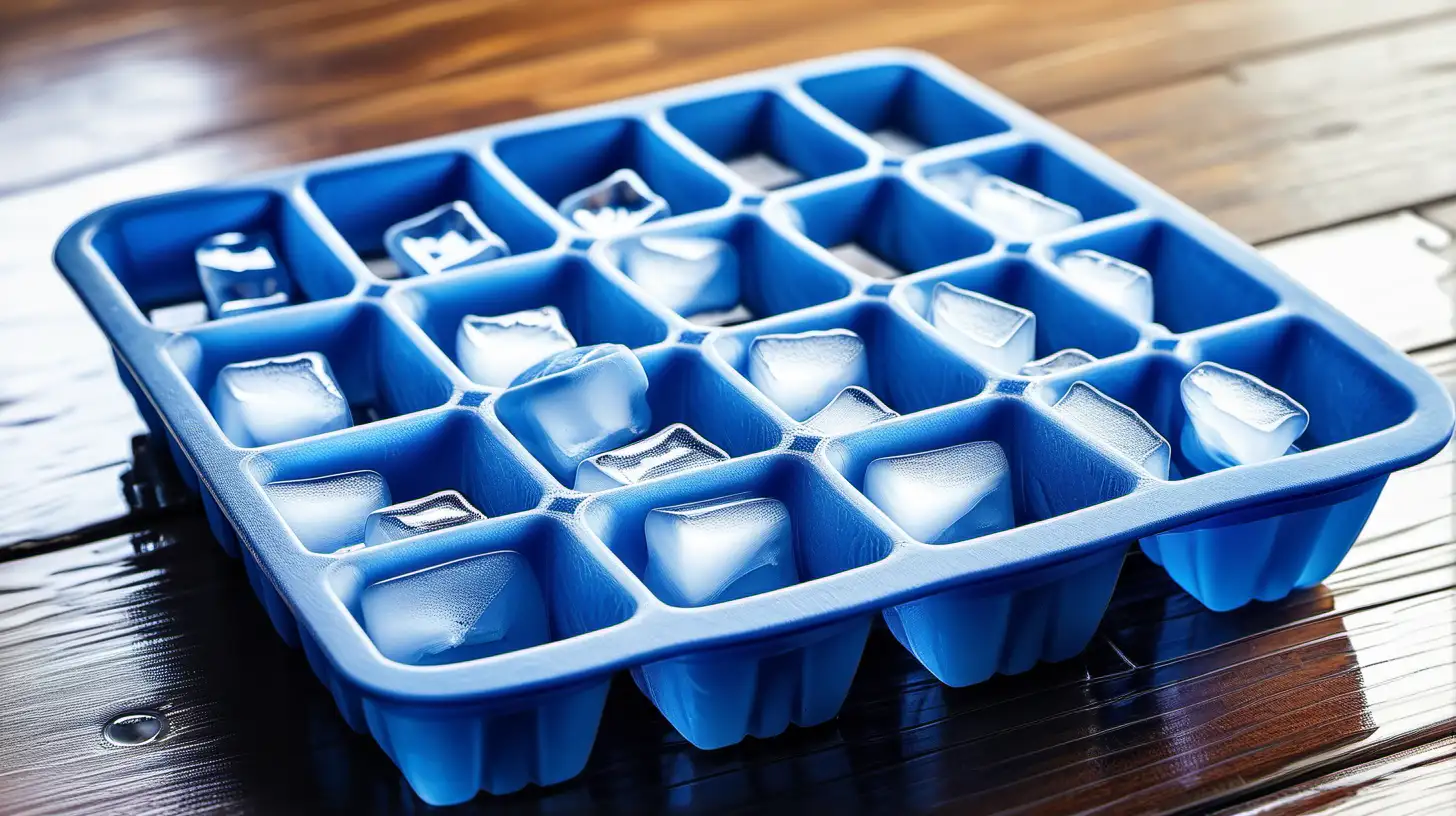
965 635
902 108
593 308
885 228
151 247
1043 170
363 202
772 274
422 456
1193 285
1065 319
376 365
557 163
717 697
765 139
906 371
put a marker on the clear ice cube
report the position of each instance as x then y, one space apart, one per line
263 402
673 449
328 513
1057 362
945 495
437 511
1120 286
850 410
445 238
1118 425
1237 418
614 205
688 274
494 351
464 610
803 372
240 272
1018 211
583 402
719 550
998 334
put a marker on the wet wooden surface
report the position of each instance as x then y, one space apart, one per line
1279 118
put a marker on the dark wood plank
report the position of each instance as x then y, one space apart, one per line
1419 781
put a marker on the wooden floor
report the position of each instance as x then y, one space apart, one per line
1324 128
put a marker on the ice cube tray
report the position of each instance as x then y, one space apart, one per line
854 238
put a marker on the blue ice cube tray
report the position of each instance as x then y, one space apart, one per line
753 666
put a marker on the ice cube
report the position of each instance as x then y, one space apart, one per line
240 273
616 204
1057 362
495 350
764 171
436 511
719 550
897 142
445 238
852 409
468 609
1118 425
1020 212
998 334
581 403
263 402
1237 418
673 449
944 495
688 274
328 513
803 372
179 316
1120 286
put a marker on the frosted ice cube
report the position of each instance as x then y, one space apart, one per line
1120 286
998 334
1020 212
1118 425
436 511
263 402
328 513
582 402
803 372
445 238
614 205
719 550
688 274
464 610
944 495
1057 362
240 273
495 350
673 449
1237 418
850 410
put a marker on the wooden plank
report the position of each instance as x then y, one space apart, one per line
1291 143
1419 781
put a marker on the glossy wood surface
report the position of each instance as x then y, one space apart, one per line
1277 117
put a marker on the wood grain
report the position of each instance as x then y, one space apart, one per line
1419 781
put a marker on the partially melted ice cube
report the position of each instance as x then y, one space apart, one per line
240 273
1010 208
998 334
1237 418
1120 286
437 511
494 351
719 550
328 513
616 204
264 402
464 610
688 274
803 372
673 449
1118 425
1057 362
445 238
852 409
945 495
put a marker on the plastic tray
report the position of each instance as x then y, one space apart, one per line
753 666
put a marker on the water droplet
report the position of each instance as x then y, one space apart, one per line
134 728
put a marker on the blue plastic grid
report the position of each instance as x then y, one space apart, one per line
750 666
